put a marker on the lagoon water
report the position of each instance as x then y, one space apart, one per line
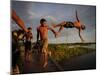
92 46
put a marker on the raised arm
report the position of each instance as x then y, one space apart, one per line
77 16
80 35
18 20
54 32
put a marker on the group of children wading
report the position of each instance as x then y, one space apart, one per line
42 33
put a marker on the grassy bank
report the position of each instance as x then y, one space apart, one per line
63 51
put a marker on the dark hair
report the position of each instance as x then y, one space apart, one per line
83 27
29 28
42 20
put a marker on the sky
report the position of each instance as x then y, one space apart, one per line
32 12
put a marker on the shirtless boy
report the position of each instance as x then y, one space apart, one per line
28 37
42 32
67 24
21 24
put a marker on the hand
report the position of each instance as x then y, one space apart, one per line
57 34
26 30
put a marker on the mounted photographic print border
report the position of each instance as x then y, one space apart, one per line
71 46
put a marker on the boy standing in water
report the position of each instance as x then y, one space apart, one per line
21 24
42 31
28 37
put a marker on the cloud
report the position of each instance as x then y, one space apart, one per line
31 15
52 18
32 12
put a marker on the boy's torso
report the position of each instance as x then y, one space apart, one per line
43 30
28 36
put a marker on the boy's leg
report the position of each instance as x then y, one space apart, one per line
15 70
61 28
45 53
45 60
27 50
58 25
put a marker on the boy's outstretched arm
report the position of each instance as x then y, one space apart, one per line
18 20
80 36
77 16
54 32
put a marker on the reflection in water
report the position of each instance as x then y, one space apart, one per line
35 63
92 46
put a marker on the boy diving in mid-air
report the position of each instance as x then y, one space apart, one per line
67 24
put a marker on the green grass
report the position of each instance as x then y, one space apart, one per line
62 51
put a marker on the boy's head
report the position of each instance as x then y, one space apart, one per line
29 28
83 27
43 22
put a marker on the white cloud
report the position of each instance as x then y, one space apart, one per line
52 18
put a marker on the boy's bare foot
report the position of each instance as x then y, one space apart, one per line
45 64
49 53
16 70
